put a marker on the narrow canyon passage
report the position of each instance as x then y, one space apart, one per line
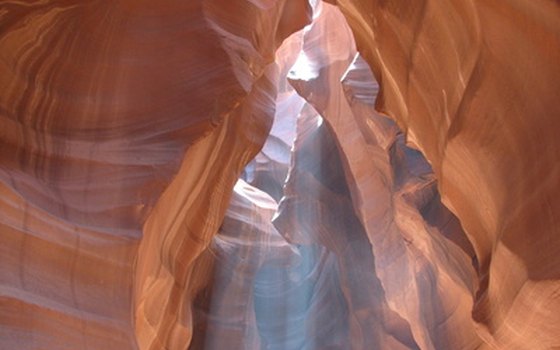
293 267
279 174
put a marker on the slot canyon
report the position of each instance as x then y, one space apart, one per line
279 174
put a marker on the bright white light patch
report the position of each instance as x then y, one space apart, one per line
303 69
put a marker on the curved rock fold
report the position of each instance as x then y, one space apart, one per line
287 174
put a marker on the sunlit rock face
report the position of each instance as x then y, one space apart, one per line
358 209
422 258
124 126
474 85
188 174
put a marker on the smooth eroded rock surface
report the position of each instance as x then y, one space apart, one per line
279 174
112 117
474 85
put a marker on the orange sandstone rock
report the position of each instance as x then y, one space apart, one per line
474 85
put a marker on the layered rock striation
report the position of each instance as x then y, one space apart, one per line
474 84
422 258
163 185
124 126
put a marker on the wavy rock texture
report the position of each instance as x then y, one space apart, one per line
317 211
427 276
474 85
125 125
412 289
101 111
305 279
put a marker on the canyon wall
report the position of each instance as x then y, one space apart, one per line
124 126
423 261
190 174
474 85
